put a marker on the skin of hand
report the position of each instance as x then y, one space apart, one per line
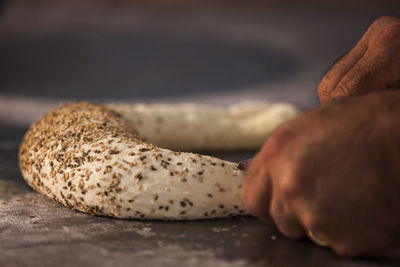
372 65
335 171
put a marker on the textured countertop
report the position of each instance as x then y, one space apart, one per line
58 51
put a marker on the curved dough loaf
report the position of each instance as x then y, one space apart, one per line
89 157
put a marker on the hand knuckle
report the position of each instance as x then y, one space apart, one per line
271 146
277 140
388 33
384 20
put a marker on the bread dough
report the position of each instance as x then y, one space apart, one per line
92 157
191 127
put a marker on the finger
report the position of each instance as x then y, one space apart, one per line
330 81
339 69
283 217
378 69
256 189
335 74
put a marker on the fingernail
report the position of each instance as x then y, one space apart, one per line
244 164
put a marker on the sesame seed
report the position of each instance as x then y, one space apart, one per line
113 152
139 176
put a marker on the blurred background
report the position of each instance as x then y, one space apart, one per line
172 51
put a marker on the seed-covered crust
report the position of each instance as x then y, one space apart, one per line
90 158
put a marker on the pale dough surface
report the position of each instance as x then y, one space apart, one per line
194 127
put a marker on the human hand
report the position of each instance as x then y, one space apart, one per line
335 171
372 65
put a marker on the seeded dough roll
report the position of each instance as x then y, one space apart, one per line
91 158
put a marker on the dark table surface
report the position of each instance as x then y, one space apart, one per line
59 51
